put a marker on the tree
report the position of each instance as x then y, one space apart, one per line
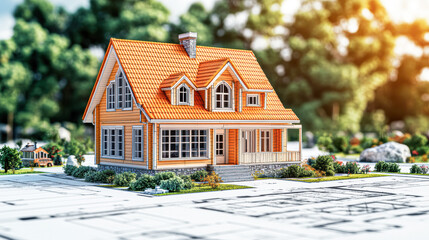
10 158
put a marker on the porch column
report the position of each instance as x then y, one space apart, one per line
284 140
214 147
300 143
239 147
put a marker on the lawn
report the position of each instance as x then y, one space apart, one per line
336 178
205 188
20 171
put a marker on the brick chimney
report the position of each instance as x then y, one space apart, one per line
189 42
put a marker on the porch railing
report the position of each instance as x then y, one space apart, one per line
270 157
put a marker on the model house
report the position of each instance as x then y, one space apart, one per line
31 154
161 106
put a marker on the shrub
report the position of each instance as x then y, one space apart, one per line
199 176
325 143
92 176
10 158
356 149
326 164
425 158
311 161
354 141
213 180
80 171
365 169
416 141
293 171
415 169
339 167
307 173
124 179
410 160
173 184
424 169
143 182
340 144
387 167
58 161
422 150
68 169
163 176
367 143
352 168
187 180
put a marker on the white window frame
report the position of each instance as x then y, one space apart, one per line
126 102
229 94
111 97
187 93
195 137
118 144
248 141
257 100
136 143
263 140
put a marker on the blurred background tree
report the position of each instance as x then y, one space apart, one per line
334 62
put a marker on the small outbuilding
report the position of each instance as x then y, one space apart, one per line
31 154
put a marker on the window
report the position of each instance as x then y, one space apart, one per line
111 102
138 143
265 141
248 141
112 142
183 94
184 144
253 100
223 97
123 92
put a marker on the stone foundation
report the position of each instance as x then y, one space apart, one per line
269 167
121 169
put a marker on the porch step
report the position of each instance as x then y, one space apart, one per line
232 173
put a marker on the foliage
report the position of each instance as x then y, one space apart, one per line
213 180
325 143
335 178
387 167
340 143
415 169
20 171
424 169
311 161
411 159
199 175
69 169
105 176
416 141
422 150
10 158
325 163
187 181
143 182
81 171
366 169
205 188
295 171
124 179
349 167
163 176
355 149
173 184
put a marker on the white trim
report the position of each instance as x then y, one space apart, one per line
258 101
205 99
184 77
233 96
108 96
154 146
123 165
110 127
192 96
271 137
179 151
222 121
239 146
230 101
228 126
227 65
214 147
140 127
240 103
265 101
259 90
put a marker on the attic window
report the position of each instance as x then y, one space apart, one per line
253 100
123 91
223 96
111 102
183 94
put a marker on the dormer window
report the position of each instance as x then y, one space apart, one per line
253 100
111 97
223 96
183 93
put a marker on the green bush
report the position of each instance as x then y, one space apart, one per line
199 176
105 176
69 169
387 167
416 141
293 171
366 143
307 173
10 158
339 168
352 168
415 169
340 144
187 180
356 149
325 143
163 176
143 182
423 150
325 163
311 162
80 171
174 184
124 179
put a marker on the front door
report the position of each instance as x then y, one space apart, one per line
220 146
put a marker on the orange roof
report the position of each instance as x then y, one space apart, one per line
171 80
150 66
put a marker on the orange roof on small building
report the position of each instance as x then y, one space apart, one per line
151 66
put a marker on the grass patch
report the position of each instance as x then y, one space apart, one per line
20 171
203 188
336 178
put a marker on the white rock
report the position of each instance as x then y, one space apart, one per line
71 160
388 152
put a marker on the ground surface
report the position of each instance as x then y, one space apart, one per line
48 207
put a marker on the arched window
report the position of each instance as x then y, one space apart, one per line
183 94
111 96
223 96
